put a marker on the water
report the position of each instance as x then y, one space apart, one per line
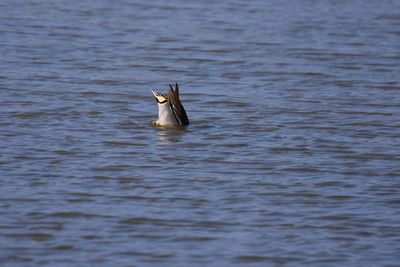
292 156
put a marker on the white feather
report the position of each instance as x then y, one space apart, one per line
165 115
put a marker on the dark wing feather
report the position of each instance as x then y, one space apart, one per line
177 107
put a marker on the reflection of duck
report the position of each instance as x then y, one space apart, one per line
167 136
170 109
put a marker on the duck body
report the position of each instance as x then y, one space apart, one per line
165 116
170 109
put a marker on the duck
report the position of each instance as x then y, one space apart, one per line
170 109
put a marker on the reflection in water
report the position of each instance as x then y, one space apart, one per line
167 136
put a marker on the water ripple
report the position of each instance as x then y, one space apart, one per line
291 157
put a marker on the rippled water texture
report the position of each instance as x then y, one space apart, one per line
292 156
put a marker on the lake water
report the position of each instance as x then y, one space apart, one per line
292 157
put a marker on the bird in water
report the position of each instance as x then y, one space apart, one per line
170 109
